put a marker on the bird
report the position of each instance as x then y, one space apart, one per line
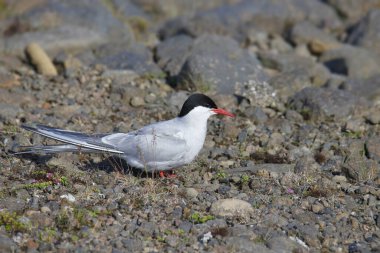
160 146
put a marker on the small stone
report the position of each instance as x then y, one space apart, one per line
339 179
69 197
317 208
7 80
6 244
31 244
374 118
373 148
150 98
40 60
45 209
137 101
354 125
226 164
232 208
171 240
191 193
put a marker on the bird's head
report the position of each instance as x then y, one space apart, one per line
201 105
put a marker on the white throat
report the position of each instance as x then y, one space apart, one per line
195 123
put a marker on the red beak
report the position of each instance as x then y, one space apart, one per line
223 112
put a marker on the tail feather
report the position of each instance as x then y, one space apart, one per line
77 141
52 149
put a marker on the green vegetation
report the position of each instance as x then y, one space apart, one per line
12 223
221 175
353 134
153 75
47 235
197 218
10 129
245 178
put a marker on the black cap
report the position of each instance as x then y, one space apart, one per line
196 100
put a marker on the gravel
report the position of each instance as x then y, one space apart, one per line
296 171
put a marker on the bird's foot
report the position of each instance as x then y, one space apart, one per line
164 174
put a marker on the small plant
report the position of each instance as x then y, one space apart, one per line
181 232
353 134
12 223
38 185
245 179
160 239
48 235
64 181
10 129
197 218
221 175
153 75
63 221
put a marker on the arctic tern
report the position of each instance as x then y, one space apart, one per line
159 146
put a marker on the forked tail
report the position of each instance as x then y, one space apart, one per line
76 142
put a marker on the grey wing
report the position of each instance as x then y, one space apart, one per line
147 147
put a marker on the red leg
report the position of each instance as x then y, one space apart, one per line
164 174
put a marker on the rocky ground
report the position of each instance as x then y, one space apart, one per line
296 171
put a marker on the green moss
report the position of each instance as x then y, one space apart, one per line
153 75
245 178
198 218
11 222
39 185
221 175
306 113
47 235
139 25
64 181
10 129
63 220
353 134
160 239
181 232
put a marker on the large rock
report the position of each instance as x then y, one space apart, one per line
288 83
356 165
245 245
373 148
57 25
129 9
232 208
367 32
352 61
172 53
131 56
53 39
290 63
271 16
368 88
218 63
321 103
352 10
317 40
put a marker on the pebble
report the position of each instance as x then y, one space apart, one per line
137 102
68 196
40 60
45 209
191 193
339 179
232 208
317 208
